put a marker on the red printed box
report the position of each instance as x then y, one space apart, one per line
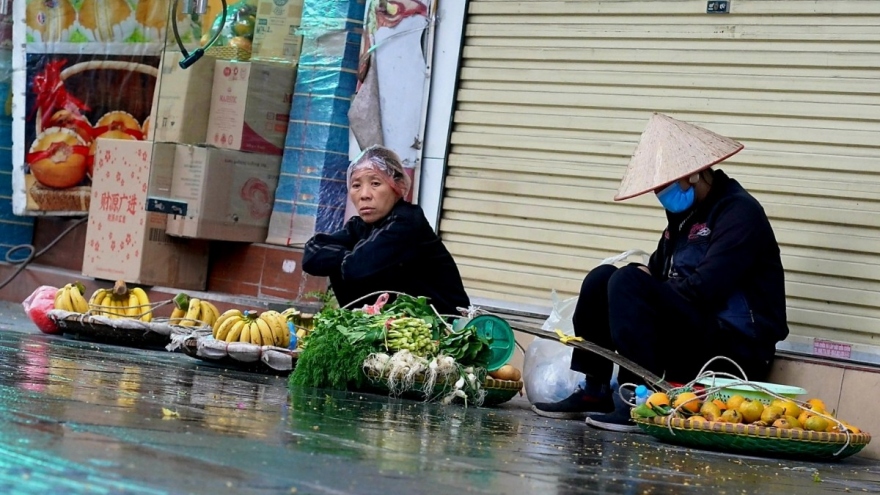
250 106
123 240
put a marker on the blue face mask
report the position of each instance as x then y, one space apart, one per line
674 199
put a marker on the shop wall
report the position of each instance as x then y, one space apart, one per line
552 98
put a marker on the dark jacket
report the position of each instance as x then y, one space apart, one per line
722 255
399 253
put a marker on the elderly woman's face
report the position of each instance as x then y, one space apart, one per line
372 195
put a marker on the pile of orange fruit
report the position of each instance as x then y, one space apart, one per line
780 413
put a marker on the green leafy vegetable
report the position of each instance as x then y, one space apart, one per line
336 349
467 347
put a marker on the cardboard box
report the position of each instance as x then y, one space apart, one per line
275 33
181 102
123 240
229 194
250 106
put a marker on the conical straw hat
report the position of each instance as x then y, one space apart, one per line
669 150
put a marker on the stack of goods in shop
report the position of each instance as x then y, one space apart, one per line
227 143
754 418
256 341
406 349
311 193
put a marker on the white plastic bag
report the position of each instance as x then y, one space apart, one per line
546 371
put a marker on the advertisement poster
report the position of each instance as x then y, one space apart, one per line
82 69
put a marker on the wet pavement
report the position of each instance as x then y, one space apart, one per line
90 418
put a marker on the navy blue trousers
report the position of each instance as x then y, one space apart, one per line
629 311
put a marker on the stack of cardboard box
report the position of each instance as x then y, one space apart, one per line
207 171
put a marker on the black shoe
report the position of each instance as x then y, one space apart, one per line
578 404
617 420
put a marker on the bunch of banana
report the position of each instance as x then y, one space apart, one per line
70 298
189 311
412 334
268 328
121 302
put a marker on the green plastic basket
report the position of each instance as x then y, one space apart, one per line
732 387
503 339
754 440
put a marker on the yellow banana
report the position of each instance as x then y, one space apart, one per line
193 313
132 309
274 319
119 306
209 313
63 299
80 305
176 315
246 332
228 314
96 296
143 302
266 335
235 332
221 330
106 304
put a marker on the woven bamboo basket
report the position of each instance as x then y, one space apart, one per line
497 391
127 332
77 198
754 440
190 347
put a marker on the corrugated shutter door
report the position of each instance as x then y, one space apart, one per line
554 95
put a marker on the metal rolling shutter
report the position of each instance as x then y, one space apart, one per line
552 99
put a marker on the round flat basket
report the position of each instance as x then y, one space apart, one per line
497 391
754 440
282 364
503 339
733 387
123 332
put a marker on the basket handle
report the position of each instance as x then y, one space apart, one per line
109 65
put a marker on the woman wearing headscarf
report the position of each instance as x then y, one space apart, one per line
389 245
714 286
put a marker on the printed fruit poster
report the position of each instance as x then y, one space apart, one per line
82 69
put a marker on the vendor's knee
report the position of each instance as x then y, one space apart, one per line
625 279
598 277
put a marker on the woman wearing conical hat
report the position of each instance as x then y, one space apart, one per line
714 286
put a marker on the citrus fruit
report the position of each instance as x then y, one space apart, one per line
816 423
720 403
804 416
751 410
688 401
731 416
817 405
793 421
771 414
782 423
791 409
734 401
657 399
710 411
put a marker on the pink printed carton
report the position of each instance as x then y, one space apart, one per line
250 106
123 240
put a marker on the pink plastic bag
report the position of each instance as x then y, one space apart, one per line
37 306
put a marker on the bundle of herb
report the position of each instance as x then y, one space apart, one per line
336 350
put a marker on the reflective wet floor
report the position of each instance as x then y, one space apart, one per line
90 418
